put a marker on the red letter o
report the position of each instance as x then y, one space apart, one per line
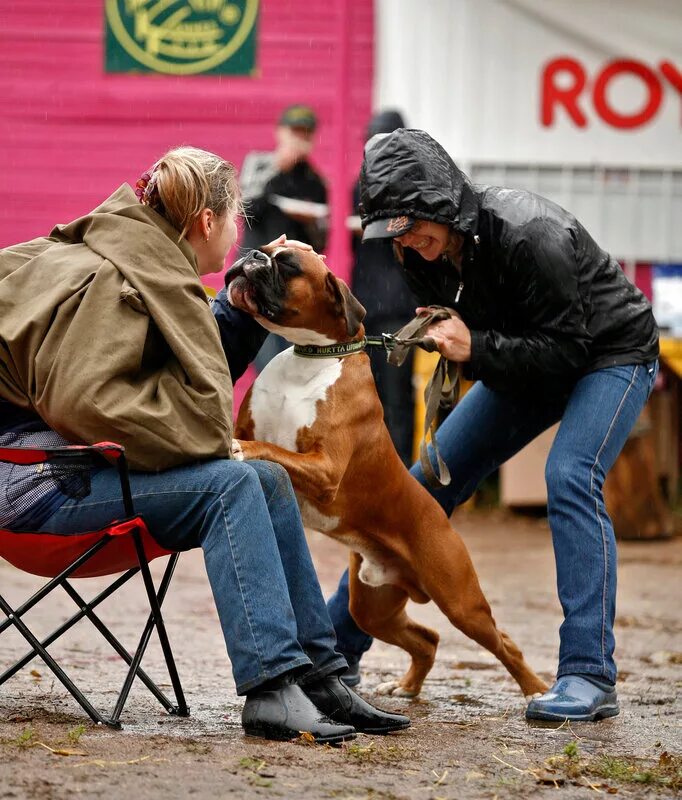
650 80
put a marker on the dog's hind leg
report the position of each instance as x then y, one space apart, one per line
380 611
450 579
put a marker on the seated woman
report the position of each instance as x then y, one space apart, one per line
107 335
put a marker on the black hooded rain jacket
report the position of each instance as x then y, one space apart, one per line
544 303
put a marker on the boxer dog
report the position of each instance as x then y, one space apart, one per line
322 420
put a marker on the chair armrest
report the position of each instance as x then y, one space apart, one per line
87 453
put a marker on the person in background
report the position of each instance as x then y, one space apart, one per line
550 329
270 181
108 335
379 284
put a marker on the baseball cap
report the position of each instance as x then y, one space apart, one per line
299 116
388 228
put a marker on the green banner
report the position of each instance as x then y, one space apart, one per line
181 37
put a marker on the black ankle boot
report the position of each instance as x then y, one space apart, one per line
341 704
279 709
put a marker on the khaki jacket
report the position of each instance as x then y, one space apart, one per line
106 331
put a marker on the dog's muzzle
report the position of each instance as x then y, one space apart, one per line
253 276
255 263
252 265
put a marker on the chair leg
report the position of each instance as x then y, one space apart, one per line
155 621
56 581
113 587
56 669
87 610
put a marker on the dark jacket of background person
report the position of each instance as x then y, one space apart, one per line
262 177
259 181
155 379
379 283
543 301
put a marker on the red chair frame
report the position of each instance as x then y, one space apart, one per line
124 545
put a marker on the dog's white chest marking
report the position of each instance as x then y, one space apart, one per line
284 400
286 393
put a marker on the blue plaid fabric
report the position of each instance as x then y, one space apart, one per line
30 494
30 491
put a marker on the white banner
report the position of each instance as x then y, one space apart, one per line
576 82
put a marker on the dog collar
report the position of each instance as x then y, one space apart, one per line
339 350
387 340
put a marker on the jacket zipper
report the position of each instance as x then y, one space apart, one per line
477 241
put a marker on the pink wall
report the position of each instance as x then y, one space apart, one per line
70 134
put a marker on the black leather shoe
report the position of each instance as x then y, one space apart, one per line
285 713
340 703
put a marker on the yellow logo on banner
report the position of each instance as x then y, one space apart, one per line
181 37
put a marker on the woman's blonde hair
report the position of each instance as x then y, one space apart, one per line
185 181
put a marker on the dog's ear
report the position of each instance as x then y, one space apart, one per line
347 304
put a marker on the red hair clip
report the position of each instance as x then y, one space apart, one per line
143 189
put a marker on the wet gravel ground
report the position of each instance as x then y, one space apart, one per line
468 739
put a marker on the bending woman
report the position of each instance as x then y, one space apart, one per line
551 330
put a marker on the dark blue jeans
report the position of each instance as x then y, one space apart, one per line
245 517
487 428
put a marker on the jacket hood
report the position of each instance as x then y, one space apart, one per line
103 234
408 173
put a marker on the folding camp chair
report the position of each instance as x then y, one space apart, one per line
125 545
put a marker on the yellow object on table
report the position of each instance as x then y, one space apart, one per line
422 370
671 354
423 366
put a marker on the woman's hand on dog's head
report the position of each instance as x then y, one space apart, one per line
282 241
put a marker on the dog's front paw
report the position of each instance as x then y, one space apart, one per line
237 452
394 689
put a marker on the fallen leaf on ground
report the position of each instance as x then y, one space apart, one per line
581 780
549 778
439 778
60 751
100 762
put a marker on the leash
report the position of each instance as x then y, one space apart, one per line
441 390
389 342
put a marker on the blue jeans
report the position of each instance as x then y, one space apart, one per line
483 431
244 516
